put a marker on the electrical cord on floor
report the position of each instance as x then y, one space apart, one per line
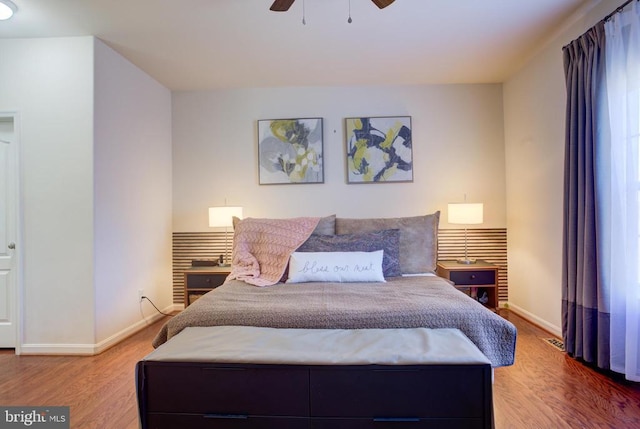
154 306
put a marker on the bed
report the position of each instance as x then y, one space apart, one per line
409 295
331 274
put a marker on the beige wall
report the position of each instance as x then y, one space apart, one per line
534 104
457 146
132 171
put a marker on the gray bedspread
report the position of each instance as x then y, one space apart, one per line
401 302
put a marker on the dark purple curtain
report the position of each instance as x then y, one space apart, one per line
585 319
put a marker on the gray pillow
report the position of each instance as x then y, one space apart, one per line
326 226
418 238
387 240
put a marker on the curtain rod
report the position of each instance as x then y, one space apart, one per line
605 19
618 10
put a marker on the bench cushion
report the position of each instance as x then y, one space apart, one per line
257 345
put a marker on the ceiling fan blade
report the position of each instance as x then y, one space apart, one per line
282 5
382 3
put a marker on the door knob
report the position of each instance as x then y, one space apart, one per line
12 245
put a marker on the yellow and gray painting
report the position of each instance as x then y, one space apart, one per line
379 149
290 151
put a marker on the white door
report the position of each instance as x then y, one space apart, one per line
8 231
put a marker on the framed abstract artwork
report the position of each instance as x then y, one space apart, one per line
290 151
379 149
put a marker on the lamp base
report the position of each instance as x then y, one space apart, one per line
466 261
223 264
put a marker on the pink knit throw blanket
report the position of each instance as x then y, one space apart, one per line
261 247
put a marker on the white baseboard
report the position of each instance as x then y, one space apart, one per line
58 349
127 332
94 349
553 329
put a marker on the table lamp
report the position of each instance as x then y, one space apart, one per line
222 217
465 214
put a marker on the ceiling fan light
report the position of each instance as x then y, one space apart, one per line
7 9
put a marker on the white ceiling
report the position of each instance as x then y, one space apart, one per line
207 44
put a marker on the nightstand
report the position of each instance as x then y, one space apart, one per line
200 280
481 277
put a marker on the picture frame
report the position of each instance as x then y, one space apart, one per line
290 151
379 149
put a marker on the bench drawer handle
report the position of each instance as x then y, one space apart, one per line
226 416
396 419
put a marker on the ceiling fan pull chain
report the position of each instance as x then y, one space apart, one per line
349 20
304 22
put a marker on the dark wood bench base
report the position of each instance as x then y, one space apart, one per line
194 395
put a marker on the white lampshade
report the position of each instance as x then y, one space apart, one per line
7 9
465 213
222 217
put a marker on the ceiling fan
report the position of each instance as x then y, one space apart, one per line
284 5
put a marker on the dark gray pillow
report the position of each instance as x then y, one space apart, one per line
387 240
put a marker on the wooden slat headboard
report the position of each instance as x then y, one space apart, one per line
489 244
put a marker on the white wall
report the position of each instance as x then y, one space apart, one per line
49 82
534 104
458 148
132 174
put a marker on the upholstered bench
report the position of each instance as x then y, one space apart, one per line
250 377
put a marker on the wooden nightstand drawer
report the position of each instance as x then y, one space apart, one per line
470 278
199 281
479 280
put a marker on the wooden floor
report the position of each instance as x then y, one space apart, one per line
544 389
